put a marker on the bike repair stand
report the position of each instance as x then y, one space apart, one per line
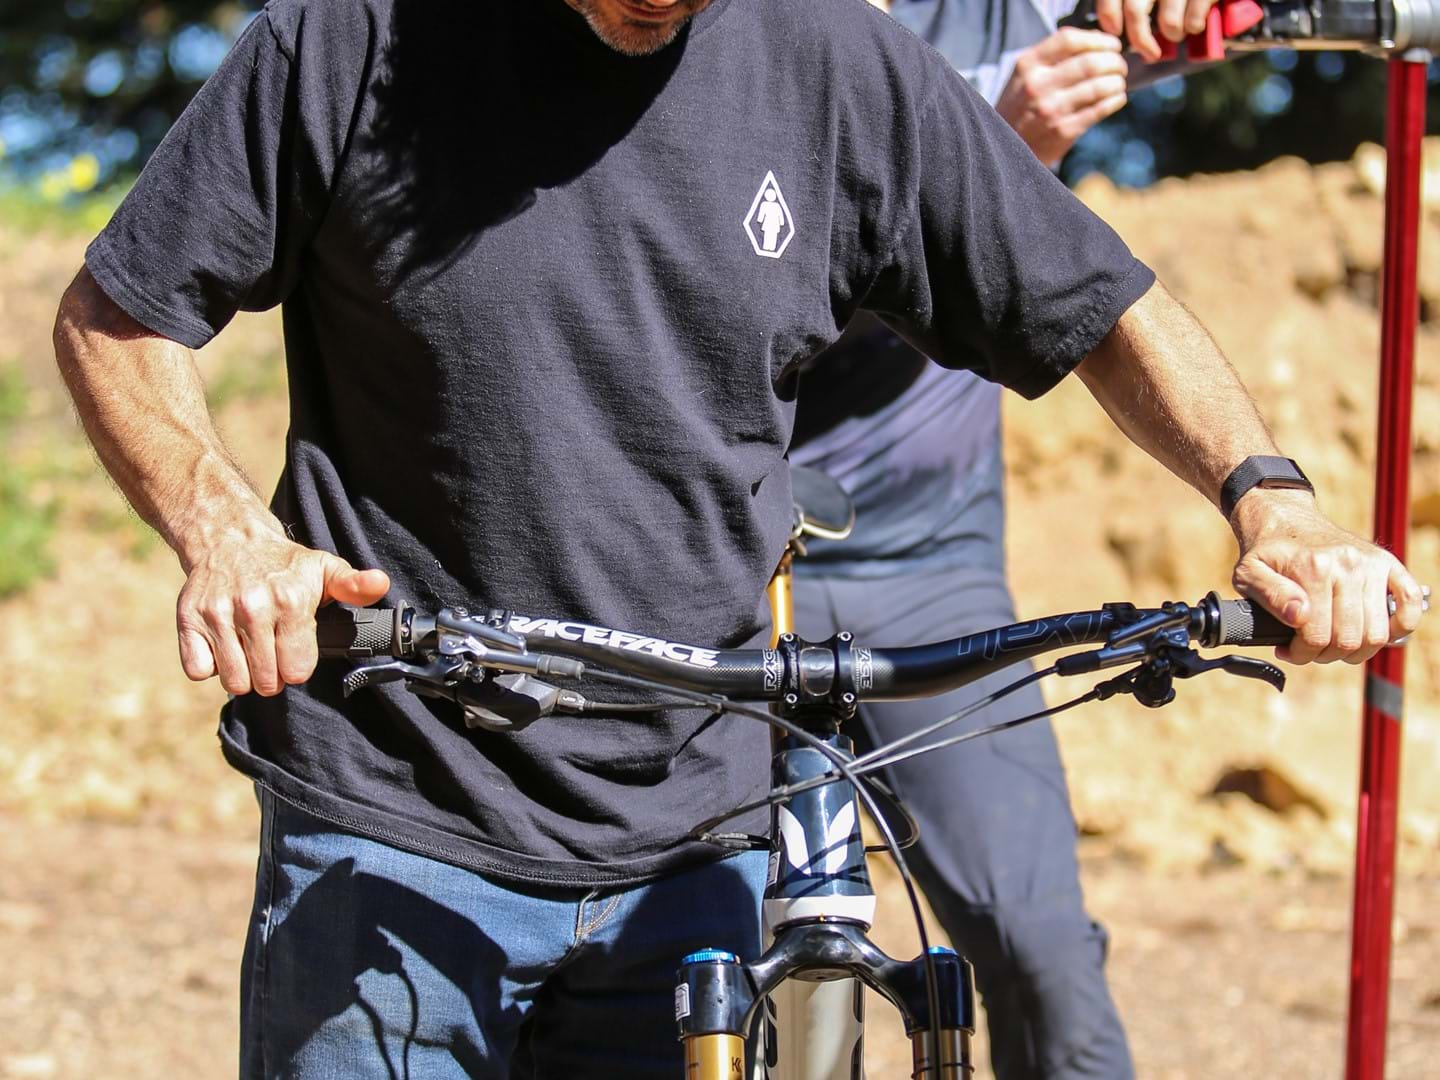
818 907
1385 672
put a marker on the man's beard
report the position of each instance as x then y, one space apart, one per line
634 37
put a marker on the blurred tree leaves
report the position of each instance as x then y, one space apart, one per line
1316 105
104 78
89 87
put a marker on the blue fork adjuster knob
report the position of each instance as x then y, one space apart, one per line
706 956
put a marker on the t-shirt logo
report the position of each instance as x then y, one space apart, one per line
768 222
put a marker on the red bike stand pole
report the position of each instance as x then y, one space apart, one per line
1384 674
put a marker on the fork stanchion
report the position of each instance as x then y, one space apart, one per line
951 1063
1384 675
714 1057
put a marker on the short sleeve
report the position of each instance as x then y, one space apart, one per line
997 267
219 219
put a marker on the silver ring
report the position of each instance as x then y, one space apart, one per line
1391 606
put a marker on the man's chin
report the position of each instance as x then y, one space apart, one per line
635 39
633 36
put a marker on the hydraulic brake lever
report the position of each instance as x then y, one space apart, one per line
439 672
1190 663
463 670
1123 648
1152 681
1161 643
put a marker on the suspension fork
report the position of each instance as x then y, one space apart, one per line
717 999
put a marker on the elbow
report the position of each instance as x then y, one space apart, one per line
61 332
73 317
86 319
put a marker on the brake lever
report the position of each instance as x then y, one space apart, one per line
438 672
1188 664
1151 682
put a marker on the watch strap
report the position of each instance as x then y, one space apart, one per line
1261 470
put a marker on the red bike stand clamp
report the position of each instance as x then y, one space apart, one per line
1228 18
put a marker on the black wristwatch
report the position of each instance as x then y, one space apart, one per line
1261 470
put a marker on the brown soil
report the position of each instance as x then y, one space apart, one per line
126 845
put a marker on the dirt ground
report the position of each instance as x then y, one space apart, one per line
126 849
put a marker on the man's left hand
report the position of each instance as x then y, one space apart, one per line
1330 585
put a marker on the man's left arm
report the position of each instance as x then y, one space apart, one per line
1164 381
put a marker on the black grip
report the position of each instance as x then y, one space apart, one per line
1244 622
356 632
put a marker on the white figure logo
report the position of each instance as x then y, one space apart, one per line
768 222
831 859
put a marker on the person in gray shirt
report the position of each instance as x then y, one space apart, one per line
922 462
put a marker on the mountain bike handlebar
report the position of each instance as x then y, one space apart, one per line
838 670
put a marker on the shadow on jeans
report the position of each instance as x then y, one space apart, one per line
306 943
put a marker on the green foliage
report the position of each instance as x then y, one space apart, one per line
14 396
24 209
252 379
26 529
27 523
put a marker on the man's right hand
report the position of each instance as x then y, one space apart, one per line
247 611
1062 87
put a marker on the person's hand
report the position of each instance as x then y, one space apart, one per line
1330 585
1175 18
1061 88
247 611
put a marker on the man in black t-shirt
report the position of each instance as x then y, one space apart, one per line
541 357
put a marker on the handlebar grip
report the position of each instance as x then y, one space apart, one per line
1244 622
356 632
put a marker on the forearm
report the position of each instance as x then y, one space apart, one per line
141 402
1165 383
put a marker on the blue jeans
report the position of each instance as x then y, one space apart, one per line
363 960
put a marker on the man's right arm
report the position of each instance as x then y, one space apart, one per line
247 609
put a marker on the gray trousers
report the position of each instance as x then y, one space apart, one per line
996 855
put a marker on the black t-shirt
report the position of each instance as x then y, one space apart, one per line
543 304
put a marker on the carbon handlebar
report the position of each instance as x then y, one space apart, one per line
816 671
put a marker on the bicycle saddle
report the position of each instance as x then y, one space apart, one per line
822 507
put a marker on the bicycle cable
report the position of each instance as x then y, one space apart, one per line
723 704
966 736
861 765
632 706
930 729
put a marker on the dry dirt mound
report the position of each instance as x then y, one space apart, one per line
1282 266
